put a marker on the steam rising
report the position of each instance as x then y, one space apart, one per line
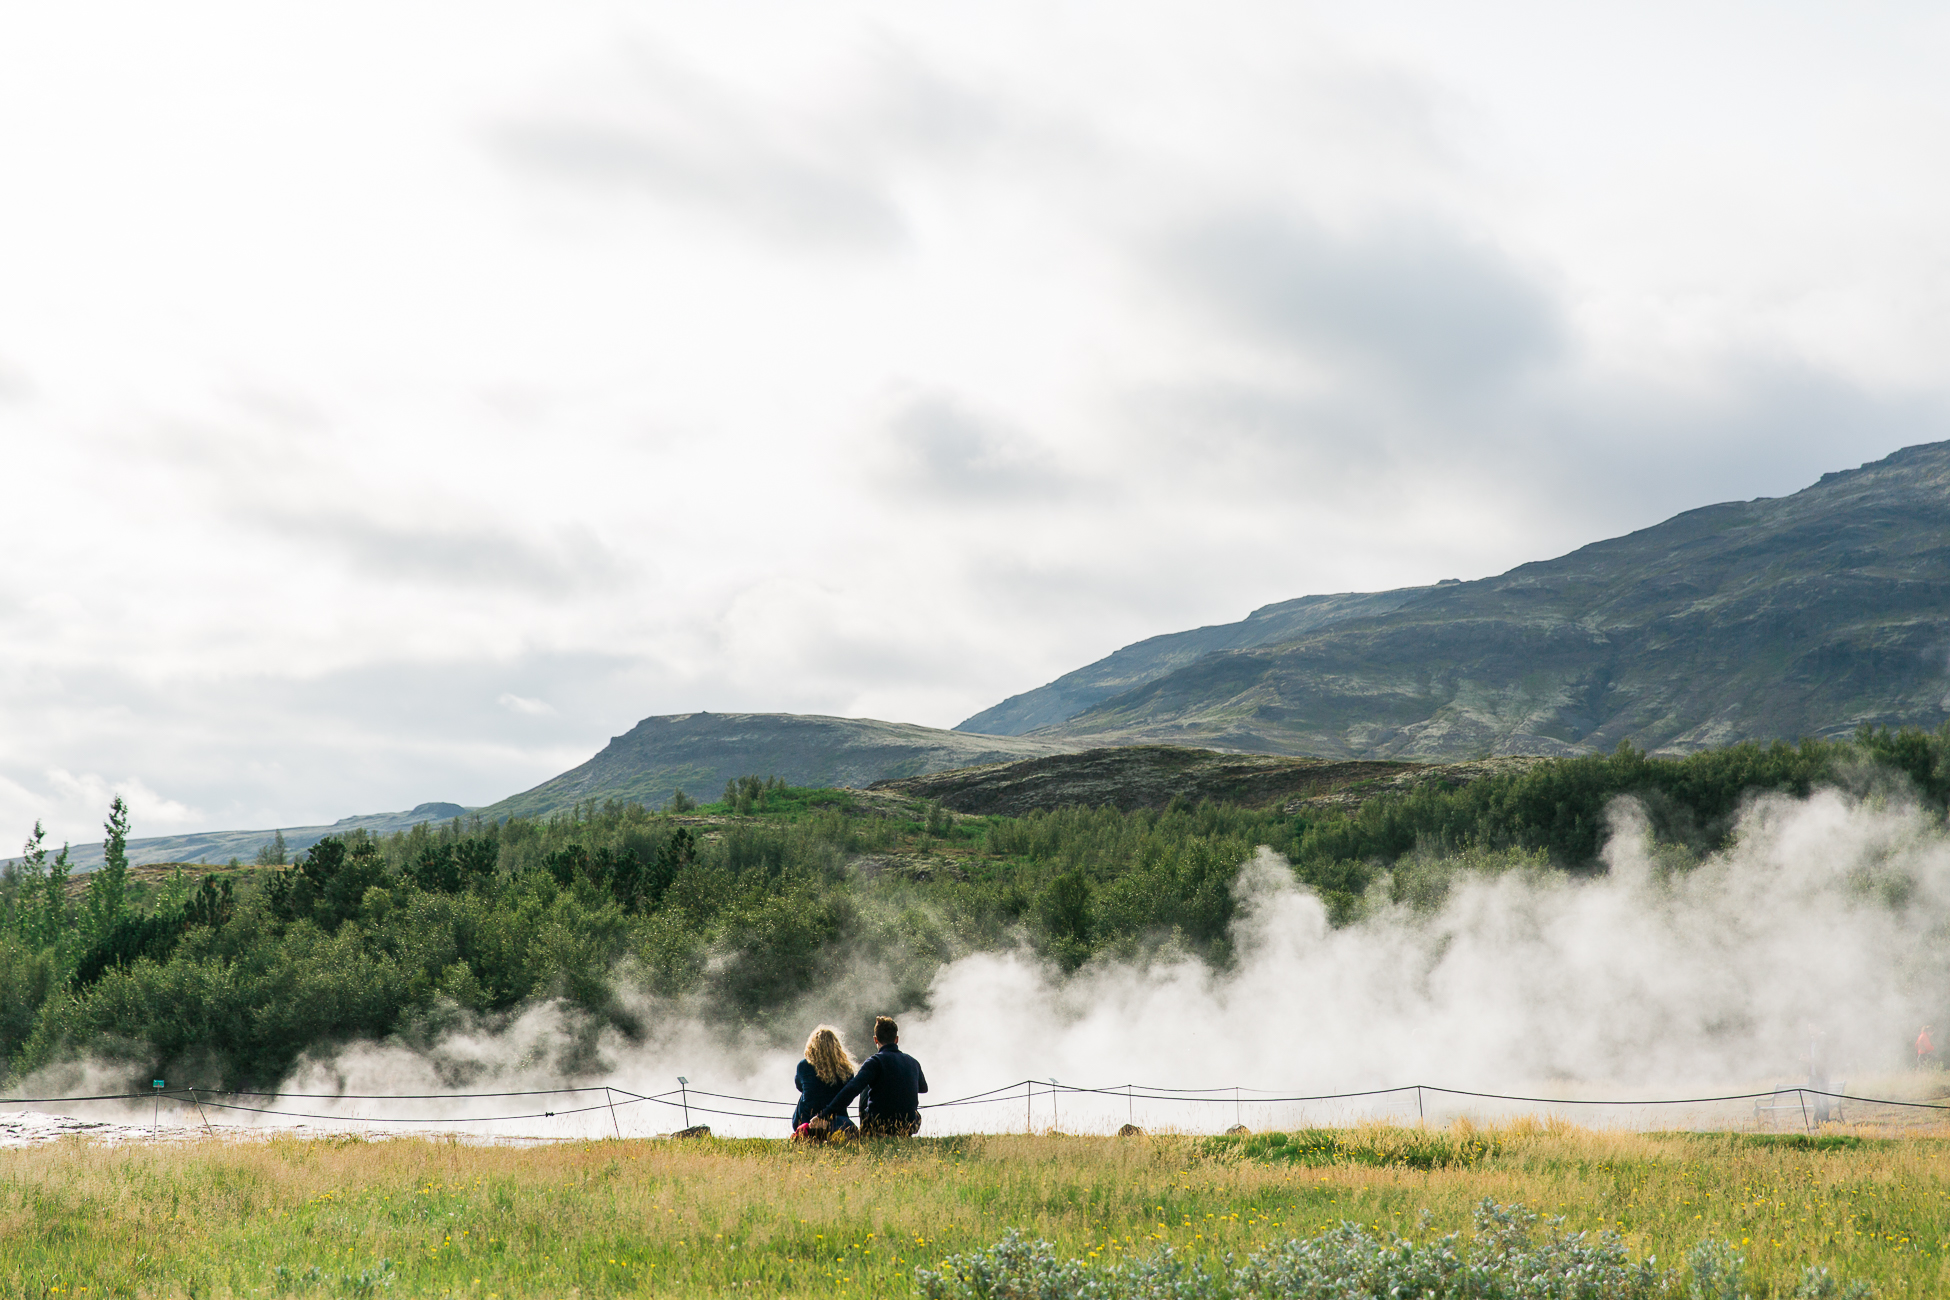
1817 942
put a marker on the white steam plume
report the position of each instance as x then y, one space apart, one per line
1821 932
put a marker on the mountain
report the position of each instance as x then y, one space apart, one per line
1151 659
699 752
221 846
694 752
1804 615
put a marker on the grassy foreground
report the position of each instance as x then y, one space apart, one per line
409 1217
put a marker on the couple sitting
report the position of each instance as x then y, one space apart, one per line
889 1085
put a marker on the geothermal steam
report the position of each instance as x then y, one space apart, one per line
1820 933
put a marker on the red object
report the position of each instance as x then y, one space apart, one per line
1924 1047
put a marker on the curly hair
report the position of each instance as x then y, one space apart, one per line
828 1055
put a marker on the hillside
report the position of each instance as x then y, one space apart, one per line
699 752
693 752
1151 659
1152 776
221 846
1805 615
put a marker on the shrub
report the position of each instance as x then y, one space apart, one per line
1507 1259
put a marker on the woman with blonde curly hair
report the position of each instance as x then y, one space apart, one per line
826 1069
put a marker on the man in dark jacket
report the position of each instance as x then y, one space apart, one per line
889 1085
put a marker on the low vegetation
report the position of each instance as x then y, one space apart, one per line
1736 1216
737 909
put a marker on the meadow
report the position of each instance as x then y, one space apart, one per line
411 1217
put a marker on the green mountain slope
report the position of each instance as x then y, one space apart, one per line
699 752
1152 658
1802 615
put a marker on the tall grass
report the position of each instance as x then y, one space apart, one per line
411 1217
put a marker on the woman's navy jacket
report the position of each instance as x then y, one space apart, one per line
814 1094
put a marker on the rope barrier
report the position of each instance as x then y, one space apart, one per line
1142 1092
387 1119
405 1096
664 1099
1563 1101
1006 1093
757 1101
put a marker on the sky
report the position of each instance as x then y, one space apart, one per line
398 401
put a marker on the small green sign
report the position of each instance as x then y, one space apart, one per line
159 1083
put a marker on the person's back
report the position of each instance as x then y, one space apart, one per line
821 1076
889 1084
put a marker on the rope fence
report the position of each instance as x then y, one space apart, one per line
1813 1104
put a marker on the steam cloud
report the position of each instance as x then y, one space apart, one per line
1820 932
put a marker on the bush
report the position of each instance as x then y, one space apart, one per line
1506 1260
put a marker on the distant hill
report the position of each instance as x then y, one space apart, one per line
699 752
1151 776
1151 659
694 752
1805 615
221 846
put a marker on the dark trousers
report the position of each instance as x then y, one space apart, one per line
891 1125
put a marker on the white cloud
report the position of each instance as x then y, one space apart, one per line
523 705
75 806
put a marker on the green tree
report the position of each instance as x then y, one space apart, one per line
108 887
24 885
274 854
49 924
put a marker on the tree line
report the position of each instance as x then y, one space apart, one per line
759 909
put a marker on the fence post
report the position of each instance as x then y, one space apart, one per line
611 1098
155 1123
684 1092
199 1110
1055 1121
1421 1115
1130 1107
1806 1123
1028 1123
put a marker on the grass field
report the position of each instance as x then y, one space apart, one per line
747 1217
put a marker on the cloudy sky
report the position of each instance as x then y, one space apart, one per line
398 400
